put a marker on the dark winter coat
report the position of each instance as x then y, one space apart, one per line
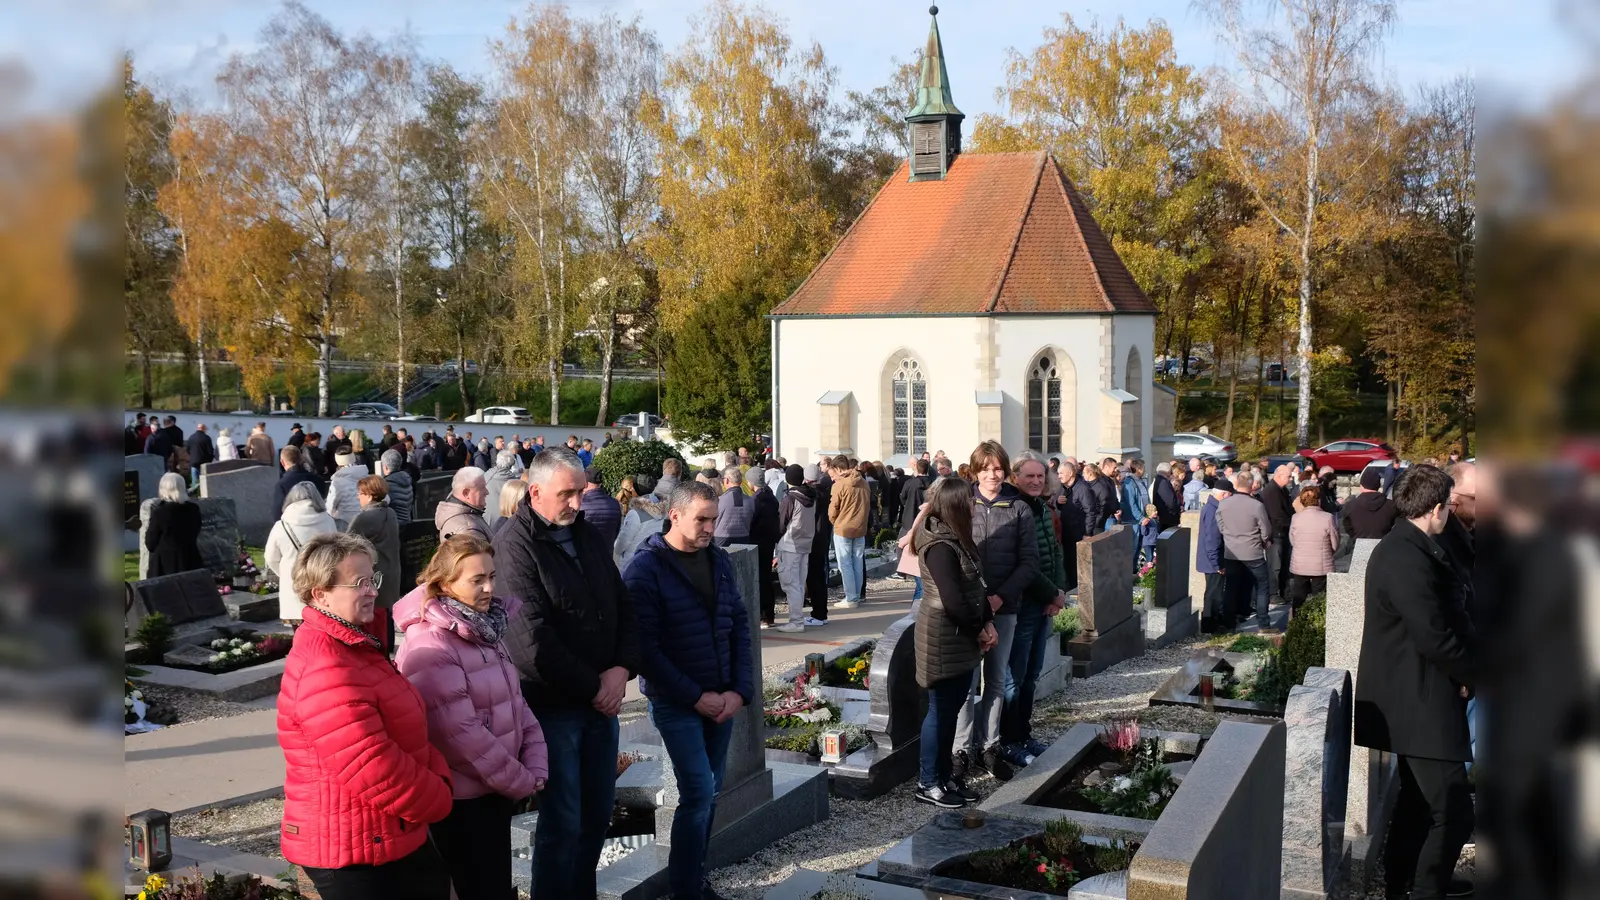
1051 577
954 605
1208 553
1417 651
1082 512
173 538
1169 503
1109 502
1280 507
603 512
378 524
911 498
687 645
201 449
735 509
765 528
1004 533
1369 515
577 619
401 494
287 480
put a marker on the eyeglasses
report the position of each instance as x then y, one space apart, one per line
375 582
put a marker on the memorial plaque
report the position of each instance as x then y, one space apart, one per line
429 491
130 498
184 597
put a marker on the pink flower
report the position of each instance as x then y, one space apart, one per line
1043 868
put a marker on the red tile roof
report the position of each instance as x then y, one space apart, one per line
1002 233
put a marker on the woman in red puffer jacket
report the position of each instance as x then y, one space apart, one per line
361 782
476 715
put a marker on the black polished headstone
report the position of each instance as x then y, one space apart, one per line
428 492
419 540
228 465
894 722
182 598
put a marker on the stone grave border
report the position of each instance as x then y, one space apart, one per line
1179 688
238 686
1016 798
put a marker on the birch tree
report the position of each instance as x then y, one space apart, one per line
1303 68
393 226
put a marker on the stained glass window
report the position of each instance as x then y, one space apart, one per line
910 409
1044 407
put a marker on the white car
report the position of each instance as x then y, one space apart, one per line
416 419
502 415
1189 444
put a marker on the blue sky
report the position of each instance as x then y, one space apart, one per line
1515 49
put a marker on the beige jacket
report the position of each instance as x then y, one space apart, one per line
847 510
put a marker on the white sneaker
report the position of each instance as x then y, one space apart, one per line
792 627
845 604
813 622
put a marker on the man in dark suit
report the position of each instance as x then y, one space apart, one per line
1417 671
293 472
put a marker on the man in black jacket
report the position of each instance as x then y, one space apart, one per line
1417 671
292 474
912 489
201 450
817 564
1280 509
1369 514
575 643
1169 504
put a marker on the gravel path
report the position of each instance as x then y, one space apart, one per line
170 705
251 828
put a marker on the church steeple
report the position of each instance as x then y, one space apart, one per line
934 121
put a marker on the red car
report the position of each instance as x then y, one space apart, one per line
1350 456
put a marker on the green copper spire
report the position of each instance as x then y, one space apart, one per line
933 88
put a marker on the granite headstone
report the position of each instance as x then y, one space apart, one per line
141 474
434 487
183 598
251 489
1316 779
224 466
1373 773
1172 567
219 535
1197 580
894 719
1111 632
419 540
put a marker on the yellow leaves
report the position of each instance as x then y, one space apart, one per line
739 131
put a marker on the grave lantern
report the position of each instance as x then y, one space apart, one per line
832 745
150 840
813 666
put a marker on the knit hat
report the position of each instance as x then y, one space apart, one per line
756 477
344 459
812 472
593 473
795 475
1372 478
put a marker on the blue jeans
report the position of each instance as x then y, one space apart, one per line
945 701
575 805
1472 728
1022 673
916 594
698 748
851 554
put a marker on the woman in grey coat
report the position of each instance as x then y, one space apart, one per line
377 523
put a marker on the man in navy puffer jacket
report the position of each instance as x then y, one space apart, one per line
695 666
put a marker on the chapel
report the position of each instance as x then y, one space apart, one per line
975 298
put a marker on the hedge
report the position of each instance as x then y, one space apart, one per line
624 458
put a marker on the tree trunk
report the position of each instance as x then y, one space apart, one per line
144 378
1389 411
1233 392
555 391
1255 428
1283 364
399 338
324 365
608 346
205 373
1302 419
461 374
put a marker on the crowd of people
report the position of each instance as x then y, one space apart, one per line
548 594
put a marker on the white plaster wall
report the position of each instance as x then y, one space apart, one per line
815 356
1138 331
1020 340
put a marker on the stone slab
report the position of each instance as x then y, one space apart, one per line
250 487
183 598
805 884
1123 641
1110 886
799 800
1105 580
238 686
188 655
1172 568
141 475
641 785
203 764
1208 843
1316 779
1166 626
244 606
1180 688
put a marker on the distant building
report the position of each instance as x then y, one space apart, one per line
974 298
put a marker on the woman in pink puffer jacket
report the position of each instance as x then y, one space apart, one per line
477 718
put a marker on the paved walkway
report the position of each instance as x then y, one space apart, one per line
192 766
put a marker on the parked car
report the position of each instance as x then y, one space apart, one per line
451 365
1349 456
1276 374
502 415
1298 461
1189 444
631 420
369 411
416 418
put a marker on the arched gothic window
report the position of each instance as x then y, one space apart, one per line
1044 407
910 408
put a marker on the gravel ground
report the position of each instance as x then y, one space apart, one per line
251 828
170 705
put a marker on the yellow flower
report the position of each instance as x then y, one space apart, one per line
142 896
154 884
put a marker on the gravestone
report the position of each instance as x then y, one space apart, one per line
427 493
1374 778
1207 844
218 541
1171 615
230 465
1197 579
183 598
894 720
141 474
1316 779
251 489
1111 632
419 539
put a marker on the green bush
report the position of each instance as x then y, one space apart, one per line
1066 622
886 537
1249 643
625 458
155 636
1303 642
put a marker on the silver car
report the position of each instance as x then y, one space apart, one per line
1189 444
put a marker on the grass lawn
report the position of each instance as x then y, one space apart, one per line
130 562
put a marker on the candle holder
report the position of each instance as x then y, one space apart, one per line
150 840
973 818
1208 689
813 666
